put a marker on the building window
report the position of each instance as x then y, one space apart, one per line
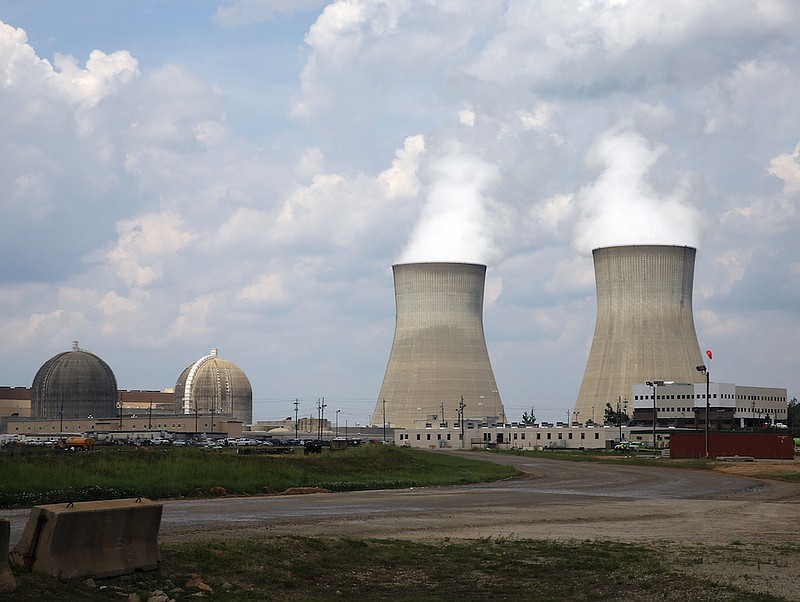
417 436
597 435
549 436
429 436
538 436
570 436
583 435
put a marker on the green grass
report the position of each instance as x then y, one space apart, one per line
299 568
161 472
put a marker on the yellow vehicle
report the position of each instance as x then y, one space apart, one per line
73 443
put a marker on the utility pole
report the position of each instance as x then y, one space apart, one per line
384 421
322 418
296 426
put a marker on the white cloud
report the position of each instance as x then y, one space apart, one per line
145 243
786 166
401 178
266 291
104 74
145 209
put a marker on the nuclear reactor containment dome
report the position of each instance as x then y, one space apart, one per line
74 384
439 351
212 384
645 327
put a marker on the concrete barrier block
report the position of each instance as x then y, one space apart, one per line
7 581
98 539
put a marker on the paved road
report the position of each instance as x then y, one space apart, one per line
556 499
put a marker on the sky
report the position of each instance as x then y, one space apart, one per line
182 175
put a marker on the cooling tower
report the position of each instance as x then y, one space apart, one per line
439 351
645 327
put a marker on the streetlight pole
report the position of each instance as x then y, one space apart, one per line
702 368
461 407
654 385
296 424
319 421
337 423
384 420
322 417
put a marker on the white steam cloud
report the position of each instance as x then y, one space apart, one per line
623 207
460 221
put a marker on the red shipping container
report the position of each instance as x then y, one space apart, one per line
764 446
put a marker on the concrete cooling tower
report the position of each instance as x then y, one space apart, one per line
439 351
645 327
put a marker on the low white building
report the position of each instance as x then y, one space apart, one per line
474 433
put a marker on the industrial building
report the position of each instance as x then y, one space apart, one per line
468 434
214 385
439 362
644 329
728 406
74 384
76 392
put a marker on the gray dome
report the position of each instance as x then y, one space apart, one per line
212 383
77 383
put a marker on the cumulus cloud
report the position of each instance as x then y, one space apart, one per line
144 242
142 206
589 44
786 166
401 178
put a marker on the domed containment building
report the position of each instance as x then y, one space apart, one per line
212 384
74 384
439 353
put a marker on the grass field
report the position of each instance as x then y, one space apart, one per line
164 472
297 568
